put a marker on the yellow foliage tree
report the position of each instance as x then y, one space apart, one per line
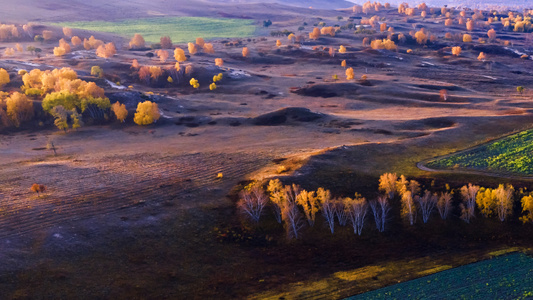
245 52
76 41
212 86
67 32
448 22
120 111
527 209
491 34
342 49
208 48
219 62
470 25
9 52
106 51
343 63
309 202
179 55
278 43
349 74
147 113
92 43
467 38
456 51
421 37
19 47
194 83
47 35
162 54
192 48
137 42
481 56
200 42
4 77
19 108
315 34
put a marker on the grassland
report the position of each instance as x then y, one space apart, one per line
511 154
180 29
504 277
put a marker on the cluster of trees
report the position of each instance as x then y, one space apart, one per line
8 32
292 205
15 109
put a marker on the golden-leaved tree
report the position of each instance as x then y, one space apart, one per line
120 111
147 113
106 51
4 77
179 55
19 108
137 42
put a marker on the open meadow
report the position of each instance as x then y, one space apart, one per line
151 154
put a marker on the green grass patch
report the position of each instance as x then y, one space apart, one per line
180 29
503 277
512 154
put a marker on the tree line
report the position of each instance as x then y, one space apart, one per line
296 208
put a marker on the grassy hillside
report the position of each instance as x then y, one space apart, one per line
180 29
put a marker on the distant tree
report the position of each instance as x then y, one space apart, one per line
60 115
179 55
120 111
343 63
443 94
470 25
67 32
426 203
4 77
342 49
192 48
277 197
315 34
448 22
309 202
47 35
147 113
219 62
444 205
356 209
467 38
97 71
135 64
366 42
252 202
144 74
19 108
212 86
208 48
162 54
327 206
166 42
93 43
380 209
38 39
76 41
278 43
59 51
267 23
408 207
106 51
383 27
456 51
9 52
421 37
527 209
349 74
137 42
519 89
387 184
482 56
19 48
155 72
245 52
491 34
194 83
200 42
468 194
504 201
38 188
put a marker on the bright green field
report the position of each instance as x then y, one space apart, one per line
503 277
512 154
180 29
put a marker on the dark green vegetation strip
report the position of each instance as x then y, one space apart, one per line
512 154
503 277
180 29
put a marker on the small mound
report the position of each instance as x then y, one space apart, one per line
284 115
327 90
